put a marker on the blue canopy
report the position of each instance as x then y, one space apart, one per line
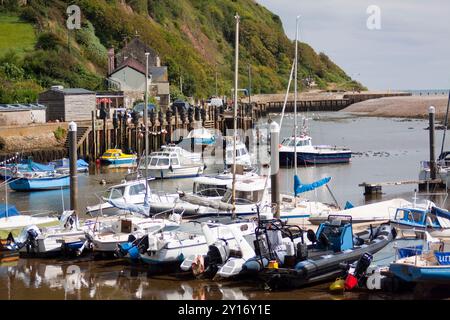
12 211
34 166
440 212
348 205
300 188
140 209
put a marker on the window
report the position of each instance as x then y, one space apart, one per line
163 162
209 190
153 161
117 193
107 154
174 161
137 189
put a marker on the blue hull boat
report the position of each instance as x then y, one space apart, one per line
305 158
37 184
413 273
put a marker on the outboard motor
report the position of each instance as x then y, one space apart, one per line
31 235
217 255
357 273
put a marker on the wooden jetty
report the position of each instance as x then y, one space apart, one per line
376 188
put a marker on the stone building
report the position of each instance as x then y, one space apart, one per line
68 104
126 73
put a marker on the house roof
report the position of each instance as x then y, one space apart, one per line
21 107
132 63
70 91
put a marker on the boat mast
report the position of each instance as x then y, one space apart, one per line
146 128
6 192
233 194
295 94
446 123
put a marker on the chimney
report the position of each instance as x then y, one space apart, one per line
158 61
111 64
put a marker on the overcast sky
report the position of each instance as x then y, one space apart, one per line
410 51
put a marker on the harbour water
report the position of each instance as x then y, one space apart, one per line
385 149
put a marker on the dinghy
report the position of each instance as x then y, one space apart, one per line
428 264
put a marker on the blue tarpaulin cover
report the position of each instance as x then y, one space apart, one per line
440 212
12 211
141 209
348 205
300 188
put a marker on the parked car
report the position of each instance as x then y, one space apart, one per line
139 108
214 102
180 105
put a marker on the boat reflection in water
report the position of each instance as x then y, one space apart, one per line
38 279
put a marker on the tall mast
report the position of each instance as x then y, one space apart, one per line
233 195
146 127
295 94
446 123
6 192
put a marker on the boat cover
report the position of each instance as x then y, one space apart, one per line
12 211
442 215
300 188
201 201
140 209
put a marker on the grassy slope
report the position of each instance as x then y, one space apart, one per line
195 38
15 34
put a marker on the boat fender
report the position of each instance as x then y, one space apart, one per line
255 264
350 282
338 286
133 252
198 266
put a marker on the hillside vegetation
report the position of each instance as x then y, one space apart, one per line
194 38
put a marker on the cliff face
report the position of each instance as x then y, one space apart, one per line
194 38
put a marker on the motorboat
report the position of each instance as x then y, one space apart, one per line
65 238
202 136
242 155
308 154
373 212
194 156
117 158
212 187
131 192
434 220
171 164
251 193
12 221
125 228
187 241
281 262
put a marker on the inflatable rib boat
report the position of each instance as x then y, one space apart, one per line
281 264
